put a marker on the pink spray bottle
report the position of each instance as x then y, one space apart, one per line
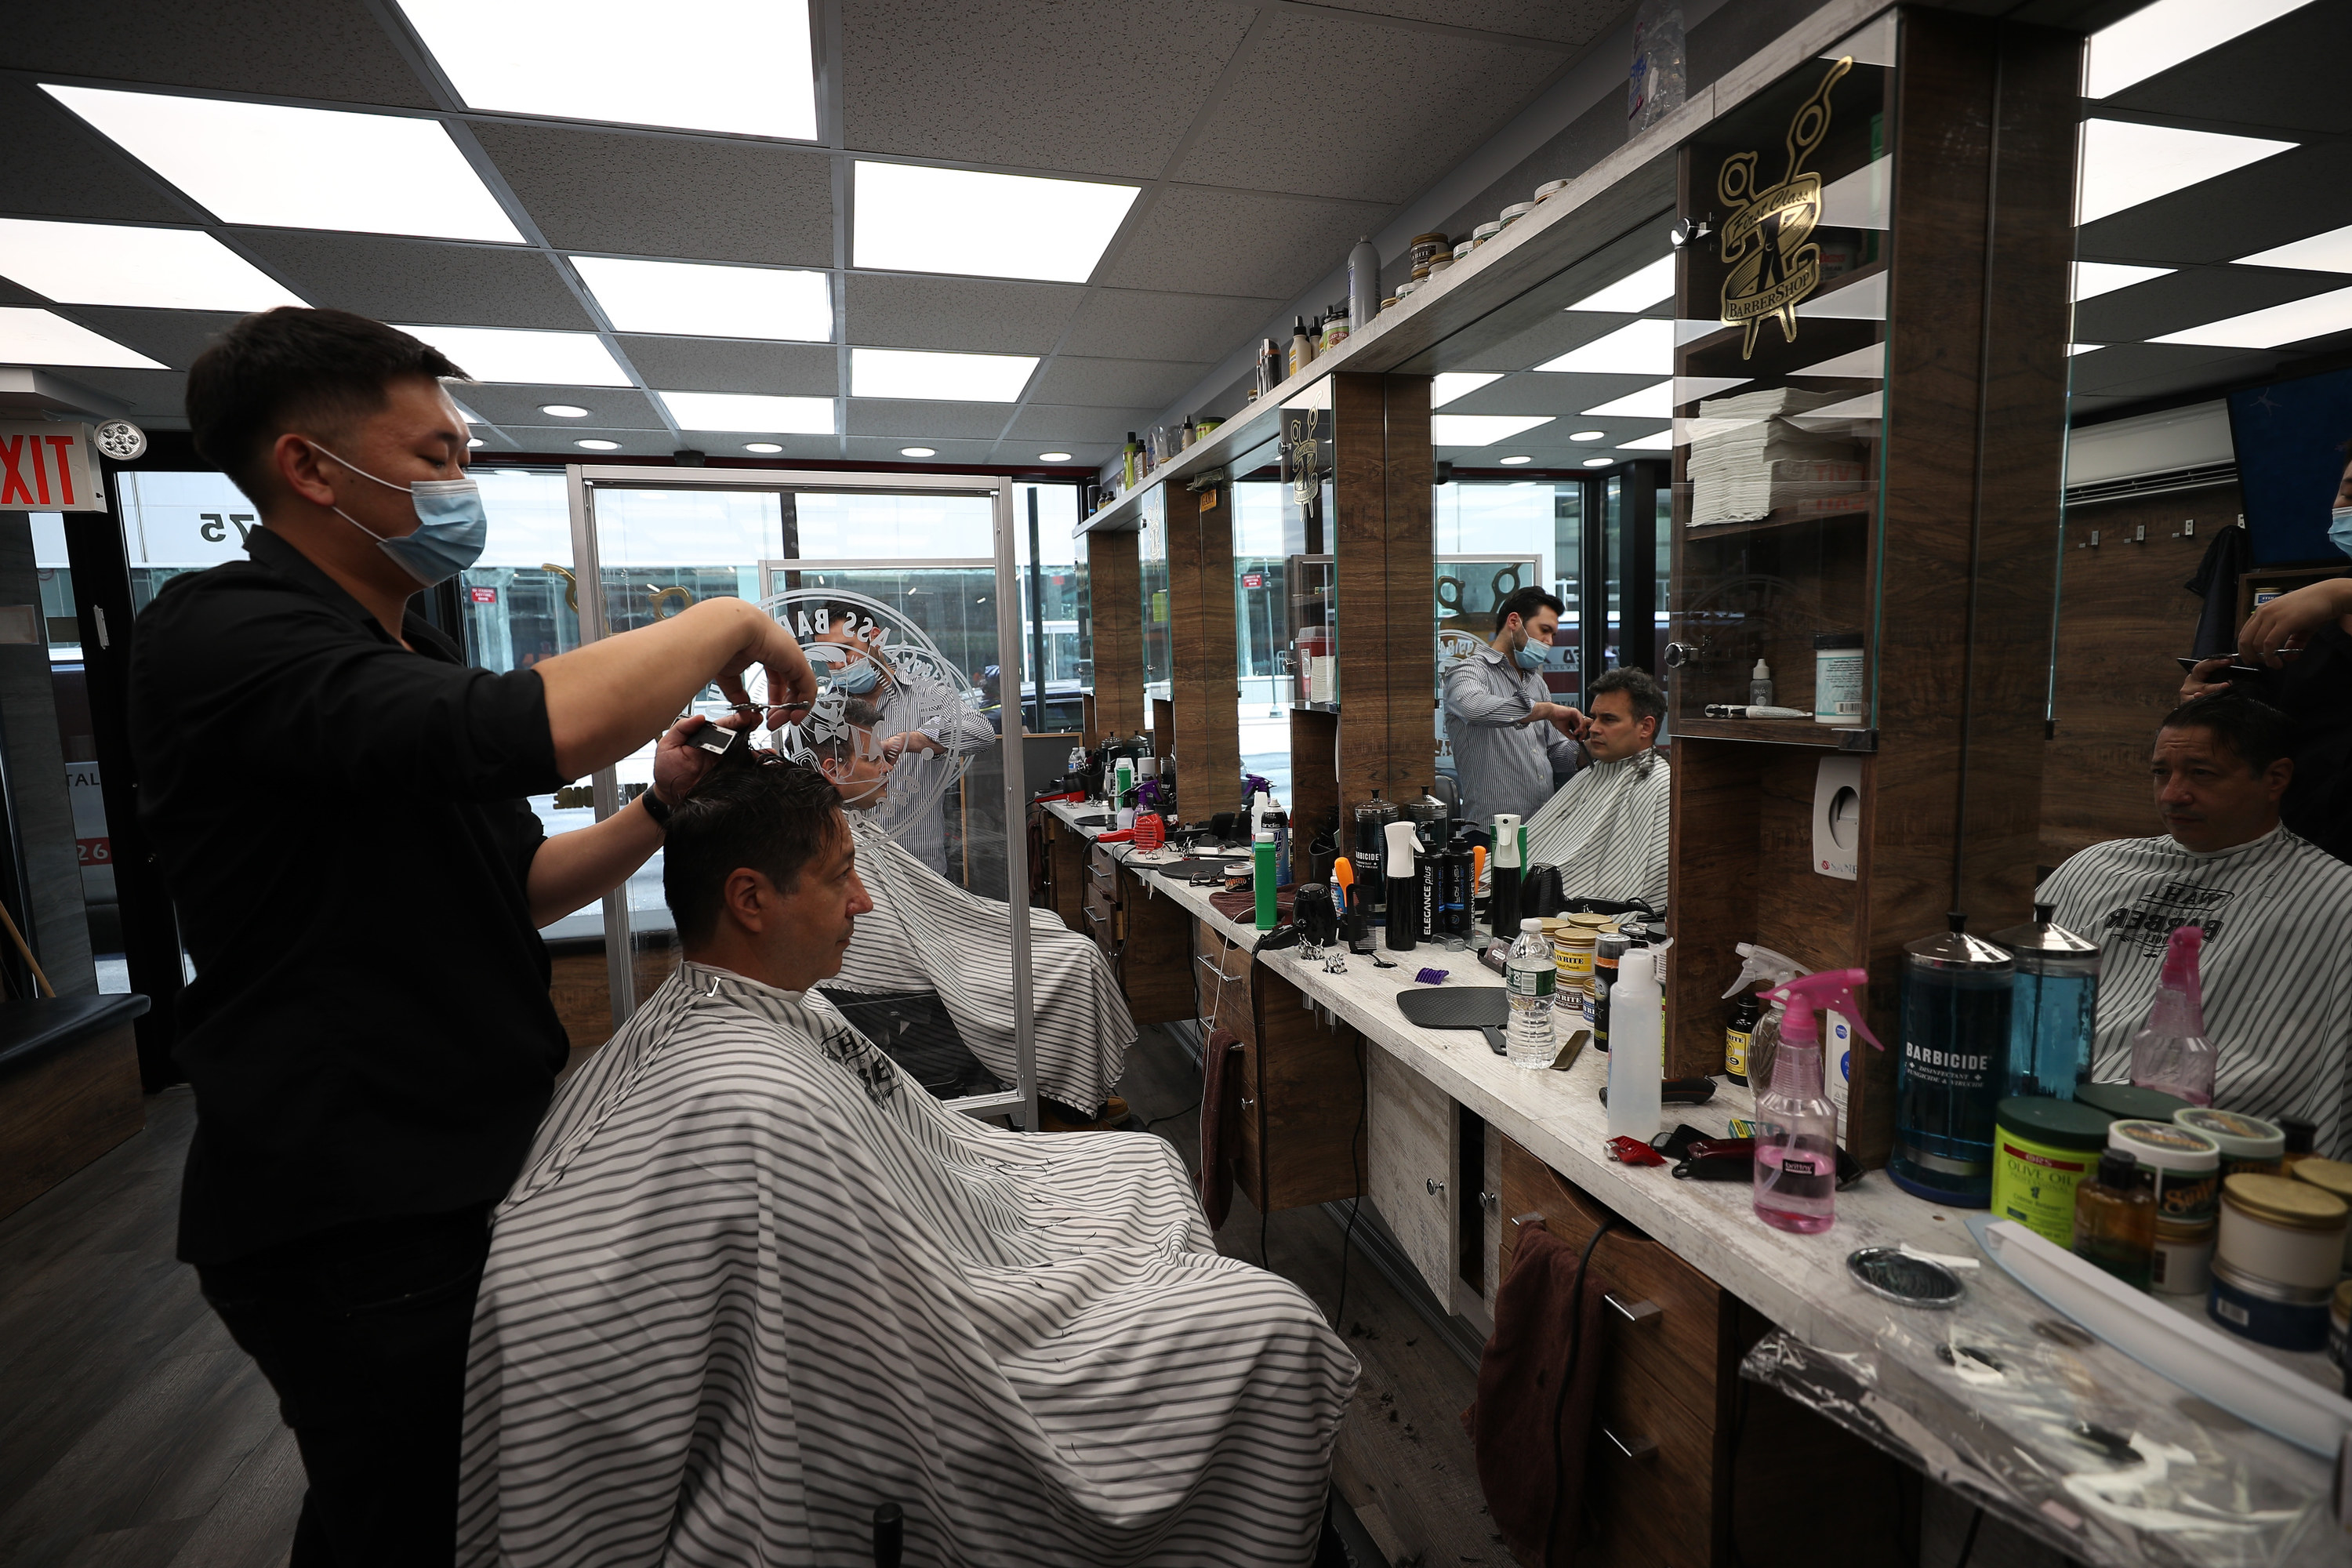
2170 1052
1796 1125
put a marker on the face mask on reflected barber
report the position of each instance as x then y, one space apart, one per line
856 677
1530 654
451 528
2339 529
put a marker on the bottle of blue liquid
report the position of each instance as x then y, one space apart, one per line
2053 1005
1952 1067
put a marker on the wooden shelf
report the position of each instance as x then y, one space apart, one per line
1772 523
1775 732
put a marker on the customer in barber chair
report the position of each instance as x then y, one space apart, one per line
931 946
2276 963
753 1283
1606 829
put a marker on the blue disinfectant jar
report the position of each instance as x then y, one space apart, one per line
1952 1068
2053 1005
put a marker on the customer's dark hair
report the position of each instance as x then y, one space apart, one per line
751 812
1525 603
1641 688
2257 731
280 369
859 714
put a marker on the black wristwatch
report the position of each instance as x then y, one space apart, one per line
655 808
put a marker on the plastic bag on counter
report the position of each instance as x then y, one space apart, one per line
2016 1408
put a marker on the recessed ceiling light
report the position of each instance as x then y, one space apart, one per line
764 448
593 445
1655 441
1589 436
564 410
918 451
697 300
1513 462
739 66
1638 348
544 359
474 441
2125 163
910 219
750 411
2159 37
1652 286
115 264
300 168
1053 456
2329 252
2092 279
2074 349
1453 384
1599 462
29 335
2280 324
939 377
1655 402
1480 429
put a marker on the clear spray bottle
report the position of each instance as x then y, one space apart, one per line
1796 1125
1764 968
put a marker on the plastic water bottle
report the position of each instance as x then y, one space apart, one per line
1533 972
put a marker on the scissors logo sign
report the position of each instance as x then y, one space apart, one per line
1766 241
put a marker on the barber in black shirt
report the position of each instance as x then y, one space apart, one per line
336 800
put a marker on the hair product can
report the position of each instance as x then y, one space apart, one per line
2286 1233
2330 1176
2043 1150
2130 1102
2184 1257
2187 1165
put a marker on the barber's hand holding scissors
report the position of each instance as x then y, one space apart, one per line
1570 722
792 684
2284 625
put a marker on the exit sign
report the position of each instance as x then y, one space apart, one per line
46 467
1253 579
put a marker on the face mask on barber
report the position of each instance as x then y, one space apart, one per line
1530 654
856 677
451 528
2339 528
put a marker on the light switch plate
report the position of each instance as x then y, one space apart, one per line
1837 817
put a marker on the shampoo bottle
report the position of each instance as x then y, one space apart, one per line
1302 347
1796 1125
1261 879
1637 1046
2170 1052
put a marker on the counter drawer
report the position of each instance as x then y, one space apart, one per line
1227 980
1098 918
1412 1150
1649 1474
1102 874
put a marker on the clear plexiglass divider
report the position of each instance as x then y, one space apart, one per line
913 574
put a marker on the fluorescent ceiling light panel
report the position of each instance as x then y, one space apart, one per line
300 168
2125 163
2092 279
1655 441
115 264
911 218
1858 200
939 377
739 66
697 300
1869 405
2157 37
1651 287
1862 301
29 335
1650 403
2074 349
539 358
1451 384
2279 326
1480 429
1868 361
750 411
2329 252
1638 348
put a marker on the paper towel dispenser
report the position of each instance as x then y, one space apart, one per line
1837 817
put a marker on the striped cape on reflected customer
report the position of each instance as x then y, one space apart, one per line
753 1282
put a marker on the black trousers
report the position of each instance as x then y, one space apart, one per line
363 1331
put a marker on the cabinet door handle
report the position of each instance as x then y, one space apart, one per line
1633 1311
1218 969
1640 1450
1248 1102
1434 1185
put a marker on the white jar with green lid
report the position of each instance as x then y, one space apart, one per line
2250 1146
2185 1164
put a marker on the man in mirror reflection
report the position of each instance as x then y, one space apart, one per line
1511 740
1606 829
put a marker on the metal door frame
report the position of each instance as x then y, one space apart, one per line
582 479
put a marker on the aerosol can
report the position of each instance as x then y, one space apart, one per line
1796 1126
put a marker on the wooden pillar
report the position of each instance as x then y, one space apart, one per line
1383 471
1114 595
1205 650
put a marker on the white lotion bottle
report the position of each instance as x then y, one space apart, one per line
1637 1048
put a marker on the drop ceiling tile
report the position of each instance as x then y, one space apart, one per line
694 199
175 337
1117 382
1573 22
153 398
2149 370
622 409
318 49
724 364
60 167
2304 191
884 449
1117 323
558 441
1331 105
926 81
972 315
921 422
419 280
1050 426
1262 246
2287 74
2191 298
796 448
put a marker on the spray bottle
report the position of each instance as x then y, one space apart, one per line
1751 1058
1503 899
1796 1125
1401 869
2170 1052
1637 1044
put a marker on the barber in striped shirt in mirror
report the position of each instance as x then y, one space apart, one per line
2277 914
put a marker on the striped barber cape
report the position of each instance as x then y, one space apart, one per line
753 1282
925 933
1606 830
2275 967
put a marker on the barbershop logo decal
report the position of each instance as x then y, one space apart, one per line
1766 241
2149 921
